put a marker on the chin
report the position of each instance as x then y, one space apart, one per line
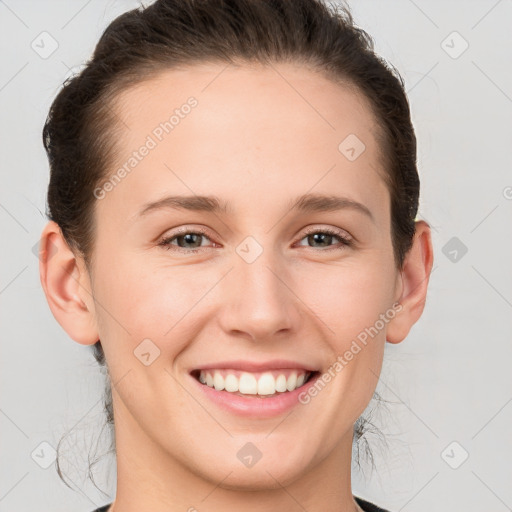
264 478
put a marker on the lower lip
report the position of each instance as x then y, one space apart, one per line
253 406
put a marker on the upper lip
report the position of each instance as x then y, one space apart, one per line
253 366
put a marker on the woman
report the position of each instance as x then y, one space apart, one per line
232 209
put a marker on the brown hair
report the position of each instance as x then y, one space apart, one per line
79 133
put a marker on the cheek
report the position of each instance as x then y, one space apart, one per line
148 301
348 298
142 300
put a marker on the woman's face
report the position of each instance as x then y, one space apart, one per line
256 289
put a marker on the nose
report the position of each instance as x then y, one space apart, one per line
259 303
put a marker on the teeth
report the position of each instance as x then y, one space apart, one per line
291 383
218 381
246 383
266 384
281 383
230 383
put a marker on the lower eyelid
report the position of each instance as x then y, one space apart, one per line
342 244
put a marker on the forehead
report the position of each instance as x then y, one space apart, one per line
290 92
218 129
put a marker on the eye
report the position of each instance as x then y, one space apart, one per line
326 235
187 241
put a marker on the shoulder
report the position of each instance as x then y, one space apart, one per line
367 506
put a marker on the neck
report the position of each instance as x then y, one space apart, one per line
149 478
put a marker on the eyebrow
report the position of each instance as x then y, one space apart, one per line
306 203
193 203
327 203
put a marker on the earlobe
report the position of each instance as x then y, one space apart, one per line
414 278
66 285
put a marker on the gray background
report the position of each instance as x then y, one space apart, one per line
449 381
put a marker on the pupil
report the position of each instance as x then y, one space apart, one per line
188 237
318 236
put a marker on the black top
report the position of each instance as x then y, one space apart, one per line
365 505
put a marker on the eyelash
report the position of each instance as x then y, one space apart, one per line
167 245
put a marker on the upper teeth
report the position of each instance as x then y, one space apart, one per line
248 383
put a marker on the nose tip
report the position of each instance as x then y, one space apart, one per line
261 305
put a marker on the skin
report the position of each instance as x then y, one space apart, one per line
259 138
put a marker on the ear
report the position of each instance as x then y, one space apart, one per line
412 284
66 284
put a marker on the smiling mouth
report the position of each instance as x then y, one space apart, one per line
264 384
